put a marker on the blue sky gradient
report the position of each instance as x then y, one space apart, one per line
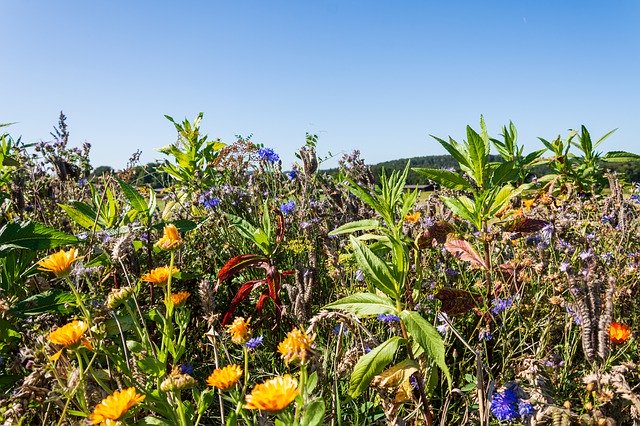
375 76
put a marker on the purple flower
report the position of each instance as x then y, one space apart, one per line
186 368
576 316
564 266
82 182
451 272
388 318
287 207
359 276
586 254
485 335
292 175
340 327
268 154
254 342
504 405
500 305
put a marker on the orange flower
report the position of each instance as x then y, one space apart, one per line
170 239
528 204
179 297
412 217
69 335
113 407
59 263
619 333
273 395
239 330
224 378
296 346
159 276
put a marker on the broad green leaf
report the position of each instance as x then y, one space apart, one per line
428 338
32 236
374 268
313 414
136 200
153 421
82 214
456 150
364 304
50 301
372 364
445 178
478 156
152 366
505 172
501 199
358 225
250 232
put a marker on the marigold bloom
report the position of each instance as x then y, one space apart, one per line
296 346
273 395
528 204
69 335
224 378
159 276
171 239
619 333
113 407
59 263
412 217
179 297
239 330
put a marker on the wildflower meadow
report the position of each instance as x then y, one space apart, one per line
223 287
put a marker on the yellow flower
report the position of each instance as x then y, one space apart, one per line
273 395
296 346
619 333
412 217
528 204
59 263
179 297
69 335
113 407
239 330
159 276
170 239
224 378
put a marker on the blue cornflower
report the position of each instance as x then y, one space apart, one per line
268 154
504 405
287 207
635 198
500 305
485 335
254 342
292 175
388 318
340 327
525 409
186 368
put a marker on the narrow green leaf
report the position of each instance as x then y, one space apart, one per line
620 157
445 178
364 304
428 338
460 209
50 301
372 364
82 214
355 226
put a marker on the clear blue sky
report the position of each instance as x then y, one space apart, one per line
376 76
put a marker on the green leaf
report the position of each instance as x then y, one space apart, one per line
358 225
456 150
8 332
152 421
152 366
372 364
478 156
52 301
500 200
374 268
461 209
620 157
428 338
250 232
445 178
82 214
364 304
313 413
136 200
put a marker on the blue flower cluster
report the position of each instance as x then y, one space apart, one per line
388 318
292 175
186 368
208 201
288 207
500 305
268 154
507 406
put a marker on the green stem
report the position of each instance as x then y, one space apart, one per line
182 415
303 393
